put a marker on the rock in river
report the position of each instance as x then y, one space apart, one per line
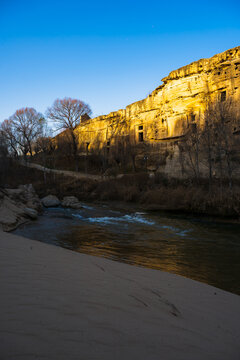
18 206
50 201
72 202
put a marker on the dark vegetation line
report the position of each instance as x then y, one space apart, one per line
153 194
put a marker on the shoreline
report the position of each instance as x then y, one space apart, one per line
136 189
156 209
59 304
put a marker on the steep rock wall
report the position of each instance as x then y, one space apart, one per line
169 110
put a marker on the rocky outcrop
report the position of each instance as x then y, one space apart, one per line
153 128
166 114
18 206
72 202
33 214
50 201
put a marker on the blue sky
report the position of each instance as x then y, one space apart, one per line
106 53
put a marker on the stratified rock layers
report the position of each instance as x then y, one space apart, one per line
169 110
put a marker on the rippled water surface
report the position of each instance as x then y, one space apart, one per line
199 249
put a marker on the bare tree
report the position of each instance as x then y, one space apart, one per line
220 119
3 146
207 142
22 129
44 143
9 136
191 148
211 144
4 159
67 114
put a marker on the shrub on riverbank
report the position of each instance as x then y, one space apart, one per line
194 200
152 193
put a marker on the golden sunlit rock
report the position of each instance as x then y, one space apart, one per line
169 110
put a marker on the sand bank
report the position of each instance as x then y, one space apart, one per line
58 304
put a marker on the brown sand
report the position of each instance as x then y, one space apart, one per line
58 304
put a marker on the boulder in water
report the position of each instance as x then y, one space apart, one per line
18 206
51 201
33 214
72 202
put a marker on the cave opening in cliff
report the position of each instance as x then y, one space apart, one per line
140 137
108 147
192 118
140 133
223 96
87 147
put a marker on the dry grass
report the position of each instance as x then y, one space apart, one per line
159 193
195 199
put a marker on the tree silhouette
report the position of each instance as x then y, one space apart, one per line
66 114
22 129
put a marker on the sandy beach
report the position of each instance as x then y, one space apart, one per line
58 304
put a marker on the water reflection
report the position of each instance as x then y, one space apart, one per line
201 250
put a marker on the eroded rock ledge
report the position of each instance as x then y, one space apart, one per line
165 115
18 206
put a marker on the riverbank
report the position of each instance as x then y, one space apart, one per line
151 193
199 249
58 304
18 206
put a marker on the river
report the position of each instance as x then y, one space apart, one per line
197 248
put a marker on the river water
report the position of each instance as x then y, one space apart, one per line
200 249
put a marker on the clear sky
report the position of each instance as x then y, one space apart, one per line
106 53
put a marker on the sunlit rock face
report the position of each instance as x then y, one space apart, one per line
166 114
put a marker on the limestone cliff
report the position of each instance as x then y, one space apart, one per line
170 109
